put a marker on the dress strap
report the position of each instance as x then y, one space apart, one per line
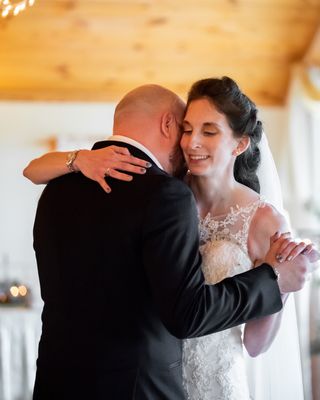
247 214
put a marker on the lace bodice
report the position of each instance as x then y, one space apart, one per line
233 226
213 365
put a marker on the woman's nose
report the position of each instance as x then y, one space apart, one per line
194 142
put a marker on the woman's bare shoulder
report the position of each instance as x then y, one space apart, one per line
267 217
266 221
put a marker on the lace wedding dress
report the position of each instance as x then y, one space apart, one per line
214 366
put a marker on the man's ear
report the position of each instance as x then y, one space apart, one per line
167 121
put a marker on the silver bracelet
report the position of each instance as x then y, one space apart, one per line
276 272
70 160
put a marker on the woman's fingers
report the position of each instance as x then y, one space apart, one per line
123 166
284 248
111 161
113 173
290 250
102 182
125 157
283 244
120 150
308 249
293 250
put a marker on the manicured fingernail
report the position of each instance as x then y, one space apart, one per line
279 258
108 190
289 258
276 235
148 165
143 170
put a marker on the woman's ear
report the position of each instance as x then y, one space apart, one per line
243 144
167 121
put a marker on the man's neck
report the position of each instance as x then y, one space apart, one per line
138 145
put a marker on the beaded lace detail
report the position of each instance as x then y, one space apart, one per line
233 226
213 365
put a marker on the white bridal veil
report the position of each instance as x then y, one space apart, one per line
276 374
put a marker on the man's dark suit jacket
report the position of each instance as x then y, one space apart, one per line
121 282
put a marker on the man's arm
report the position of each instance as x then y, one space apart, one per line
187 306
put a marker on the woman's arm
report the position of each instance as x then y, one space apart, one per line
259 334
49 166
92 163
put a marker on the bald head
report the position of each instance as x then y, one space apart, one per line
151 115
149 101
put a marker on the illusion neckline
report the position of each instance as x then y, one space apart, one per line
235 209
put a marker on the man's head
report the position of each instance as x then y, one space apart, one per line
152 115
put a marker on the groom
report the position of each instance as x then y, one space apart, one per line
120 274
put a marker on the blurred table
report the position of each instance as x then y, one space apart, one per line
19 337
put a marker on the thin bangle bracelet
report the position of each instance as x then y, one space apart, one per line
70 160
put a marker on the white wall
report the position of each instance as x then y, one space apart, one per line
275 122
23 133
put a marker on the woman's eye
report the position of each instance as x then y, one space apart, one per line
187 131
209 133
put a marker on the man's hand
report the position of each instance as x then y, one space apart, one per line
293 274
286 255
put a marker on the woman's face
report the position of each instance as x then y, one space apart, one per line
207 140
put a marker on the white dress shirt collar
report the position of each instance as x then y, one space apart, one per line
125 139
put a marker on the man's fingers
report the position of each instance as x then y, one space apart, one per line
313 255
279 237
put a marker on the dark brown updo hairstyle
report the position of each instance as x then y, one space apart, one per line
241 114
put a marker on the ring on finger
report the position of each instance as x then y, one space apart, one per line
107 173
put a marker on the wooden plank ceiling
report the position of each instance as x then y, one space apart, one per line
97 50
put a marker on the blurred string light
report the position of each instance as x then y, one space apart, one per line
13 7
16 291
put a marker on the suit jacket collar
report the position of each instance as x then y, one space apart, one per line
138 145
133 150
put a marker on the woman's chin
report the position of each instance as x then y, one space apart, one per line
196 171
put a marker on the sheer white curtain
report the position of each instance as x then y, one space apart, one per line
303 195
276 374
302 199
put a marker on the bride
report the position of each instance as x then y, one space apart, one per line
220 143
